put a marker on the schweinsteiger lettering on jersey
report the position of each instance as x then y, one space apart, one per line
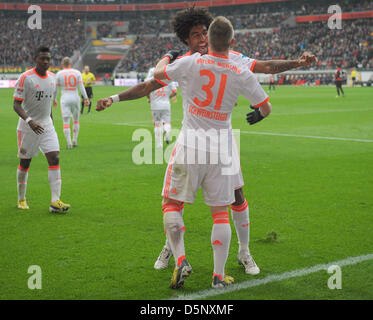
221 116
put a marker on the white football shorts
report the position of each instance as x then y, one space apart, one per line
71 108
29 142
183 179
237 178
161 116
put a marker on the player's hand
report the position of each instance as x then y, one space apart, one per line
36 127
173 54
102 104
254 117
307 59
86 102
174 99
55 103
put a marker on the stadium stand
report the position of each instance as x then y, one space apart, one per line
263 32
18 43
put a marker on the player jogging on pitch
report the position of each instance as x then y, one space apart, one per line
210 86
190 26
35 89
161 110
69 80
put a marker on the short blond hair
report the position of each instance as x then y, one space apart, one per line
220 34
66 61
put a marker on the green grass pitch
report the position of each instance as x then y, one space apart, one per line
316 194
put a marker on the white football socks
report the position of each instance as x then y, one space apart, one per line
167 129
54 178
220 240
76 127
22 175
167 243
240 216
175 229
66 130
158 133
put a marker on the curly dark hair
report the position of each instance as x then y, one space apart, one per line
188 18
41 49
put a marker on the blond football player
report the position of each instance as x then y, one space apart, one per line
69 79
210 85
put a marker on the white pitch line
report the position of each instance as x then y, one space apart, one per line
321 111
273 278
305 136
134 124
131 124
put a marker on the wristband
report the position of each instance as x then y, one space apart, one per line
115 98
28 119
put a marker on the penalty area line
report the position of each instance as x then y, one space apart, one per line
273 278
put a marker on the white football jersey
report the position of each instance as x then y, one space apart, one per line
69 80
36 92
160 98
242 59
210 85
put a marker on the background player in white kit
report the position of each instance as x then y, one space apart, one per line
161 109
69 80
210 85
35 89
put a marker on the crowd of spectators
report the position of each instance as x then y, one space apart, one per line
104 30
18 42
307 79
266 15
347 47
146 51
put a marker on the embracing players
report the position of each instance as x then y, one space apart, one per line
35 89
210 86
190 26
69 80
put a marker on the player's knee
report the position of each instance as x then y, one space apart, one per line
53 158
25 163
171 226
239 197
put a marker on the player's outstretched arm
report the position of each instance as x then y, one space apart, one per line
259 113
138 91
278 66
